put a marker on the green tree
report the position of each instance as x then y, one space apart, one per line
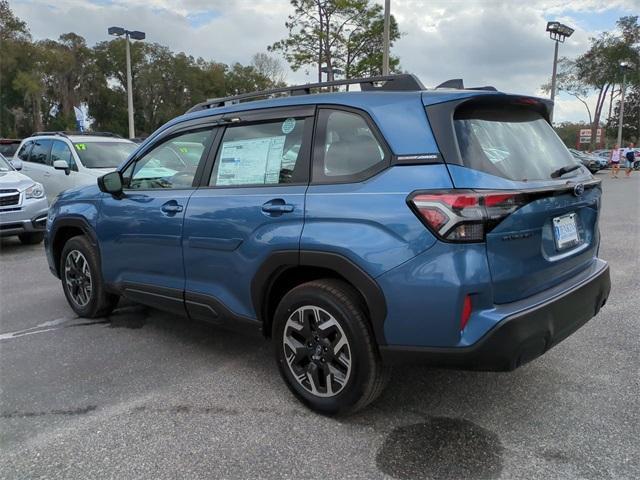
598 69
336 35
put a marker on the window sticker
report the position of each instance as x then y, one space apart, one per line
251 162
288 125
80 146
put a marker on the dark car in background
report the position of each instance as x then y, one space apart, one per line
9 146
587 160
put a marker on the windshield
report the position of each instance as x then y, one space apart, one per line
103 154
517 144
5 166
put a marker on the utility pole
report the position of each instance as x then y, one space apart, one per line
553 77
132 132
624 66
558 32
385 40
136 35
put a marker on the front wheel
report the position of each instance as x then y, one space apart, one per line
82 280
325 349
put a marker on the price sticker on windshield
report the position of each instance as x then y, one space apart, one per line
80 146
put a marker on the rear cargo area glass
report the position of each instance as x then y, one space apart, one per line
515 143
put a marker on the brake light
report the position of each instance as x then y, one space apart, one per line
465 215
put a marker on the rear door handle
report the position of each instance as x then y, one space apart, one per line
277 206
47 174
171 207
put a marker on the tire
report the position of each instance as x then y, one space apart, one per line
31 238
356 375
83 258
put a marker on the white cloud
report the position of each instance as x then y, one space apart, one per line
491 42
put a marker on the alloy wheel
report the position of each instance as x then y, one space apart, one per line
317 351
77 276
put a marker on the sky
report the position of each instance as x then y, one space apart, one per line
486 42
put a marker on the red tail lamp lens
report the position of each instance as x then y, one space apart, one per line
466 312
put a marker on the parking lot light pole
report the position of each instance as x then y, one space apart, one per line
136 35
385 40
624 66
558 32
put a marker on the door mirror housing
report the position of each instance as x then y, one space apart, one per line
111 183
16 163
62 165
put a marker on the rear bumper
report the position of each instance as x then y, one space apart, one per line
522 336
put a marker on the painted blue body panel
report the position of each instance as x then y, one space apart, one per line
524 266
370 222
139 242
227 237
425 295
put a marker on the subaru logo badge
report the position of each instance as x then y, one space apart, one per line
578 189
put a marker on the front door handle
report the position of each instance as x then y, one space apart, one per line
277 206
47 174
171 207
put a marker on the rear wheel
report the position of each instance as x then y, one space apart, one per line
324 348
31 238
82 280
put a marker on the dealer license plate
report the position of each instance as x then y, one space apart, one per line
565 231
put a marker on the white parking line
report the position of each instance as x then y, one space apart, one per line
43 327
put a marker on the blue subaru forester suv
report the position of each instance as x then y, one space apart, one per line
447 226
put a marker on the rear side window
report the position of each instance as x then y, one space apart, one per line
348 149
23 153
40 152
515 143
267 153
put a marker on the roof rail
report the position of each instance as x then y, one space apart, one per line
387 83
66 133
458 84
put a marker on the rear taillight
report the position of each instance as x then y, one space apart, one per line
464 215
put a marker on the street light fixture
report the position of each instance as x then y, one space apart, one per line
558 32
136 35
624 66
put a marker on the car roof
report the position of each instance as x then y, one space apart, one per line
81 138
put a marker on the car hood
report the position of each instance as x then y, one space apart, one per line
13 179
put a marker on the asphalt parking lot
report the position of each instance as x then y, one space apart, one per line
142 394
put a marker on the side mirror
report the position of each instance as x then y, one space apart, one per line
16 163
62 165
111 183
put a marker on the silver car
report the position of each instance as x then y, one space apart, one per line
23 205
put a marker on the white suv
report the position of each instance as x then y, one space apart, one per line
61 160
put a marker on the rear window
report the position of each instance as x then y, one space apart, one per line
103 154
517 144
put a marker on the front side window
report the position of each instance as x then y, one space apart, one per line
103 154
40 152
350 150
172 164
61 151
261 154
517 144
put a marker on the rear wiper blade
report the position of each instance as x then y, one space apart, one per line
561 171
